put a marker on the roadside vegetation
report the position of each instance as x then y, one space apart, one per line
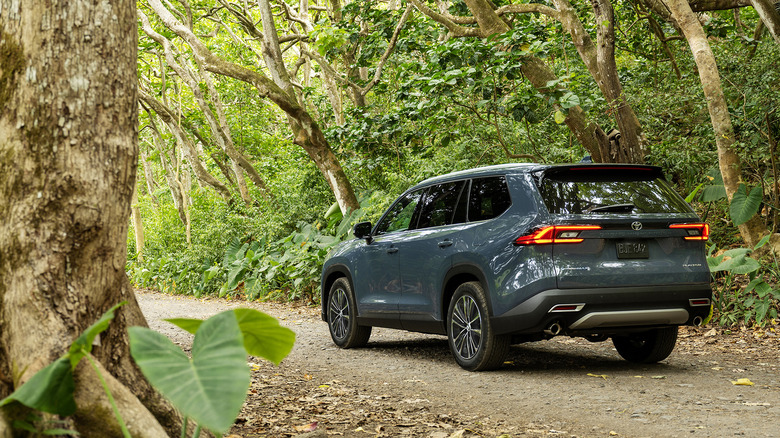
233 193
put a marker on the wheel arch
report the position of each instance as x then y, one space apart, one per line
458 275
333 273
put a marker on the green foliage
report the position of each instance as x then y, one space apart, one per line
288 267
744 292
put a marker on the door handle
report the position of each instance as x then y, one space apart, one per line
392 250
445 243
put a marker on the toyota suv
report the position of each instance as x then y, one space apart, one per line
513 253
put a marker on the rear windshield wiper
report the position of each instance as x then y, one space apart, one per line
614 208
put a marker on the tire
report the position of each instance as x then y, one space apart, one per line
471 338
342 312
647 347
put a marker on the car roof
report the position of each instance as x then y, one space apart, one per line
519 168
498 169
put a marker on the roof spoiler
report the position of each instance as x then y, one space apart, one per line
634 171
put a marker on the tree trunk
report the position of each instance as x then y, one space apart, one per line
68 158
138 227
629 149
170 164
151 184
769 16
728 161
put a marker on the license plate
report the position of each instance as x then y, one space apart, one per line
632 250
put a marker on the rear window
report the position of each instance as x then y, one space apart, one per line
609 192
489 198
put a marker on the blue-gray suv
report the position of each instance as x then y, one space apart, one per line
506 254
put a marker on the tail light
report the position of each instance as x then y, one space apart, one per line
695 231
555 234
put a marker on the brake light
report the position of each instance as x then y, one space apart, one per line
695 231
555 234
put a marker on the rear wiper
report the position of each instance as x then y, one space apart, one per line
614 208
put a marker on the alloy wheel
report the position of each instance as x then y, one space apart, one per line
466 327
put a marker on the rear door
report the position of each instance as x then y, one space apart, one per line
618 226
426 252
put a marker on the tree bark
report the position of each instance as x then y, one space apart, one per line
68 158
728 161
769 16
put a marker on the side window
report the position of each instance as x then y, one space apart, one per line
439 205
400 215
489 197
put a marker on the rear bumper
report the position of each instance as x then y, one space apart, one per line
606 310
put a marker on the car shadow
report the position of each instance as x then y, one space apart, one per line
542 356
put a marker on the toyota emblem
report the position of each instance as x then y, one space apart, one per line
636 226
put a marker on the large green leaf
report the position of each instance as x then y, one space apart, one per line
263 336
83 344
211 387
713 193
716 190
739 264
744 205
49 390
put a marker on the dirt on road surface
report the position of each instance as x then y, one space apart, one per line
715 384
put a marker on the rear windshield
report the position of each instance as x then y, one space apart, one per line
608 193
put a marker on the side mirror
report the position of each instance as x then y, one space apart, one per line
362 230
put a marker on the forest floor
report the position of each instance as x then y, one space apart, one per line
717 383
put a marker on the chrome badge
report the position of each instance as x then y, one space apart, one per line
636 226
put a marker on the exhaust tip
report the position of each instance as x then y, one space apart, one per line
554 329
697 320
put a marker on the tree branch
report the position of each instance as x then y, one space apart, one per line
528 8
455 29
390 48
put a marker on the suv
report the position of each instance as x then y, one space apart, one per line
524 252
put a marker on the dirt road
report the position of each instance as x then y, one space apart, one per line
406 384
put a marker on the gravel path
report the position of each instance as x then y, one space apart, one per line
406 384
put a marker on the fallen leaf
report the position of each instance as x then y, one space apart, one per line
307 428
359 429
613 433
743 382
658 377
603 376
458 434
717 368
711 333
